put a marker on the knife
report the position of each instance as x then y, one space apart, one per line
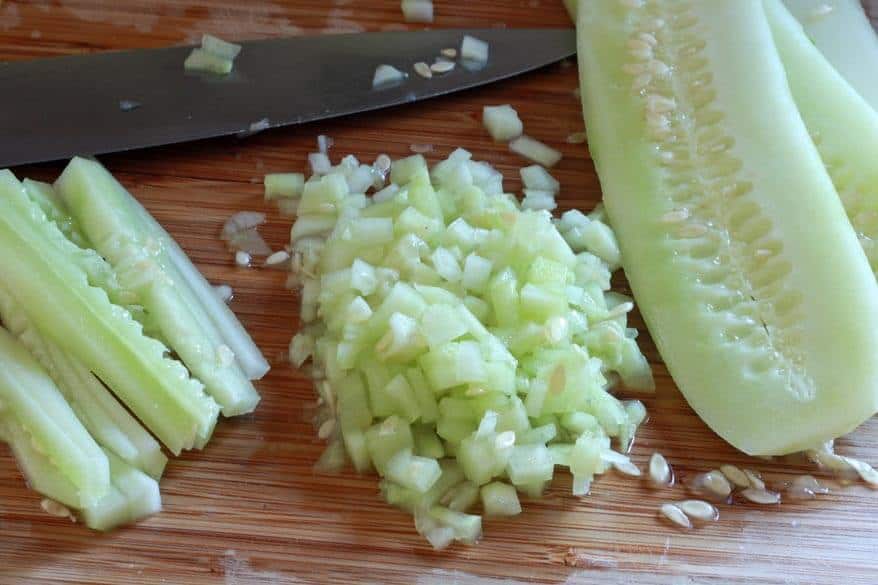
93 104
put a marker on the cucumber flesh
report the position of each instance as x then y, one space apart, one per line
103 209
709 176
844 126
132 495
30 397
842 32
180 268
111 425
41 273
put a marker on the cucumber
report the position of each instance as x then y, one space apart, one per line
142 264
30 397
42 272
132 495
844 126
111 425
710 179
842 32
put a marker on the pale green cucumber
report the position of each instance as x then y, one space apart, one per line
108 422
843 125
843 33
132 495
196 291
31 398
41 273
734 240
103 210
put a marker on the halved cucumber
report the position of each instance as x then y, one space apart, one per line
843 125
737 248
843 33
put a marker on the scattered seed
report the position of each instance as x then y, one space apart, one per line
242 258
866 472
805 487
764 497
713 483
699 510
450 53
735 475
660 473
278 257
755 479
675 515
326 429
826 458
442 67
423 69
627 468
56 509
577 138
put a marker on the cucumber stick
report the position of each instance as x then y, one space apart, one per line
102 207
42 274
32 399
842 32
107 420
734 240
844 126
131 495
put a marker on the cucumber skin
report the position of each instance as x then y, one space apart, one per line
794 189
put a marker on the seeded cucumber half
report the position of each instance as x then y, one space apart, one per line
750 278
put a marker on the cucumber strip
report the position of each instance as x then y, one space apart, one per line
31 397
102 207
843 125
178 266
709 176
41 273
101 414
131 496
842 32
44 195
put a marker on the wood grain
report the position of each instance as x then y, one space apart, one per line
249 509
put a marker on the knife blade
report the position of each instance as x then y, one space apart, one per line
64 106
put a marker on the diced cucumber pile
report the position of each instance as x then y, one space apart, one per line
707 122
462 347
86 331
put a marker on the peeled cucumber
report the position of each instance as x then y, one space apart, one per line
842 123
734 240
841 30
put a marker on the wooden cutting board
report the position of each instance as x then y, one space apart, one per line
249 508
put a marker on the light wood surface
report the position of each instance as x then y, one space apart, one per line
249 509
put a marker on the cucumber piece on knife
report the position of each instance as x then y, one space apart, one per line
843 125
109 423
842 32
142 265
710 179
30 396
41 272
